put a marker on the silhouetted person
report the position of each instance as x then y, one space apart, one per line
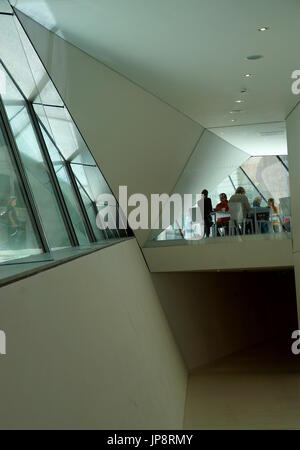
207 210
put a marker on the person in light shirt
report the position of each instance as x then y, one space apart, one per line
275 217
240 197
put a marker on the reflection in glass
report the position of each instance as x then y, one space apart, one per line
239 178
65 134
92 184
269 176
36 169
17 238
67 190
262 176
225 187
5 7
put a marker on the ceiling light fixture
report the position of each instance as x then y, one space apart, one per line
239 101
248 75
263 28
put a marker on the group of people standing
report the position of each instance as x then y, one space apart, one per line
223 206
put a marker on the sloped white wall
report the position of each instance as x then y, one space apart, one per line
212 161
88 346
138 140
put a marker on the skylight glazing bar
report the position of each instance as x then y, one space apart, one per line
255 187
5 8
57 190
283 163
85 216
13 80
62 156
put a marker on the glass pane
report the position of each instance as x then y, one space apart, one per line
269 176
225 187
17 238
90 209
67 190
92 180
60 125
285 160
5 7
12 53
24 64
36 170
45 91
240 179
91 184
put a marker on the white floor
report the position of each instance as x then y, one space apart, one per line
255 389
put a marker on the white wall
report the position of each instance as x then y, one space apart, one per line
230 253
212 161
138 140
293 139
88 346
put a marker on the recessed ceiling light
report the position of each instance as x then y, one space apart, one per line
233 120
263 28
254 57
239 101
248 75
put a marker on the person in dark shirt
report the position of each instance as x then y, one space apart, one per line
207 210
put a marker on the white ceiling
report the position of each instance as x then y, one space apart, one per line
189 53
256 140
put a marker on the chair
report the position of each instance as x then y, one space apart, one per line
237 219
221 223
262 220
194 228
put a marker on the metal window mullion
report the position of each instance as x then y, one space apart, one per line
28 196
255 187
232 183
54 181
13 80
67 165
283 163
83 211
